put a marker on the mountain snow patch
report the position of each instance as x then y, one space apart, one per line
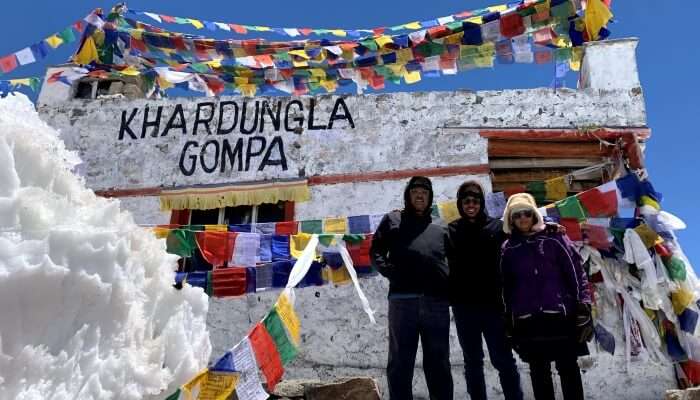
87 307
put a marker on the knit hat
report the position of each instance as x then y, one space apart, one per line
521 202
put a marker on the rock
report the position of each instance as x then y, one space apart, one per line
293 388
350 389
688 394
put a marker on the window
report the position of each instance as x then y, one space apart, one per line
242 214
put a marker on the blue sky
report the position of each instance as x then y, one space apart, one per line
667 61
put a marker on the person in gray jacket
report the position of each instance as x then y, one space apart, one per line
408 248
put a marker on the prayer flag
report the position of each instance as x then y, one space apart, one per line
25 56
67 35
599 204
245 249
571 208
298 243
556 189
54 41
681 299
210 385
8 63
181 242
312 226
573 229
688 320
263 277
266 355
359 252
448 211
249 386
228 282
335 225
280 248
359 224
289 317
604 338
596 16
264 253
286 228
512 25
87 53
280 273
649 237
216 247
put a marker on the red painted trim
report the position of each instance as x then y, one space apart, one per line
289 211
560 135
396 175
129 192
180 217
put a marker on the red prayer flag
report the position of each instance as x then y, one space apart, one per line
216 247
597 236
78 26
167 18
8 63
359 252
238 29
178 42
692 371
599 204
138 45
286 228
573 229
376 82
543 57
378 31
306 31
512 25
266 355
227 282
438 31
511 190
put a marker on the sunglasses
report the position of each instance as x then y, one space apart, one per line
470 200
520 214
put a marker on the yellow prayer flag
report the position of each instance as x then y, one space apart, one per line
484 62
216 228
681 299
196 23
404 55
289 318
130 71
262 28
556 188
248 90
137 34
161 232
210 385
329 84
338 276
300 53
649 237
576 56
88 53
454 38
476 20
214 63
239 52
383 40
300 64
648 201
54 41
22 81
318 73
339 32
448 211
500 8
412 25
397 69
412 77
297 244
240 80
335 225
487 49
596 16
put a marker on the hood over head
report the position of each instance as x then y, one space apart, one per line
474 189
418 181
519 202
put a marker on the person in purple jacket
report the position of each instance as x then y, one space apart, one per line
546 297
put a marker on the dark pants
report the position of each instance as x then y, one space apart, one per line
471 325
426 318
569 374
544 338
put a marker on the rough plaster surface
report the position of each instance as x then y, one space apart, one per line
145 210
339 341
392 132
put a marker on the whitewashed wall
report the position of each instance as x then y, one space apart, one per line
391 132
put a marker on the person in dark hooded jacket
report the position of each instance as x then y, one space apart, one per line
475 289
408 248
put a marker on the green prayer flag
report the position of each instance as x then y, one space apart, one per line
676 269
174 396
563 54
353 238
570 207
181 242
312 226
326 239
370 44
563 10
275 328
67 35
199 67
537 190
34 83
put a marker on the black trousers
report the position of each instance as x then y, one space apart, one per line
545 338
426 319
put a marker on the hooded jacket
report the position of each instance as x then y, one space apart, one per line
473 251
409 249
542 273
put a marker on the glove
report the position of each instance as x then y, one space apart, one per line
584 323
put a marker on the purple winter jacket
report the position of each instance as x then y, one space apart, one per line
542 273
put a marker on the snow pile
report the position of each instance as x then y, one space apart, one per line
87 307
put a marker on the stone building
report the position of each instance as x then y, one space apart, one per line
353 154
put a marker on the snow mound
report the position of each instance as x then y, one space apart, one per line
87 307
